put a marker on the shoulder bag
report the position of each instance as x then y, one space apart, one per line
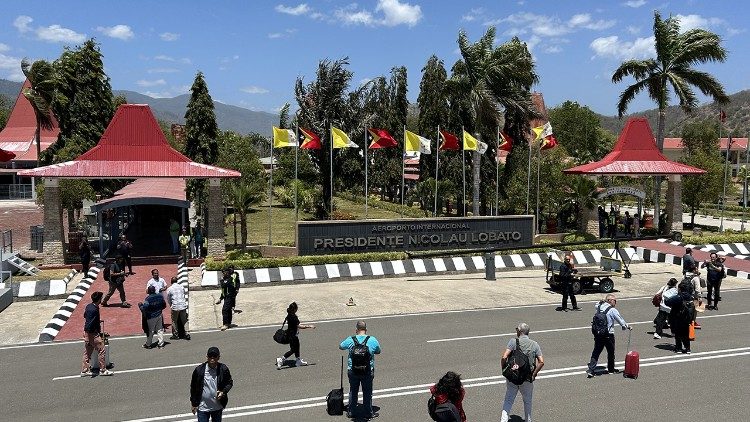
281 336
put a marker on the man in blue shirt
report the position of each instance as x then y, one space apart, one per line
607 341
358 370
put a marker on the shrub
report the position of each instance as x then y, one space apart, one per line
341 215
239 254
244 264
713 238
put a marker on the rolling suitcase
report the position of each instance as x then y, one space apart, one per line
632 361
335 399
95 354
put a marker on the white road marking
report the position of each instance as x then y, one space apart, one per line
126 371
287 405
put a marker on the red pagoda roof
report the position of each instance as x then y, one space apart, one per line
132 146
635 153
18 135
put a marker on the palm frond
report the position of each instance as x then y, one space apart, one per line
699 46
627 96
686 96
706 83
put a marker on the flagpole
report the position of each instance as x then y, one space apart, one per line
528 178
330 161
497 170
403 171
536 213
366 165
296 174
463 172
437 164
270 195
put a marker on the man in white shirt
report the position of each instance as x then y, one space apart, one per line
178 304
159 284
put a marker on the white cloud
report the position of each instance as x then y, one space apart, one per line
300 9
22 23
56 33
688 22
254 90
553 49
397 13
613 47
579 19
162 70
548 26
169 36
168 93
165 58
3 47
10 67
147 84
284 34
472 15
121 32
635 3
583 20
634 30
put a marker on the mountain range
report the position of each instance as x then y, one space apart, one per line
242 120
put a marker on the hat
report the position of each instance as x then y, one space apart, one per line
213 352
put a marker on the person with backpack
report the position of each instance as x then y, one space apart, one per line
361 368
692 282
666 292
114 274
292 332
446 402
715 273
521 363
681 315
603 329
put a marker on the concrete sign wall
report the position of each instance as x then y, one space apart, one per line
419 234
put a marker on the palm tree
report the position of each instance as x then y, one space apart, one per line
581 192
676 54
495 80
243 196
41 77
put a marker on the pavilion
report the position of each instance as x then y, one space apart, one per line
132 147
635 154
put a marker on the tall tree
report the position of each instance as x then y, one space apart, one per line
201 131
41 76
579 130
673 72
4 111
433 108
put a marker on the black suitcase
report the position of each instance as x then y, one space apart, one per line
335 399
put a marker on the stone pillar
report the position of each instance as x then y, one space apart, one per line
215 239
591 221
54 242
674 203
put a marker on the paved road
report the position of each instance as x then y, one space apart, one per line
417 349
703 220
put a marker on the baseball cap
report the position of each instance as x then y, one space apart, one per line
213 352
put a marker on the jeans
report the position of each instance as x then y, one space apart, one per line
713 292
92 341
600 343
179 319
661 321
214 416
120 287
366 381
527 391
567 290
227 310
155 325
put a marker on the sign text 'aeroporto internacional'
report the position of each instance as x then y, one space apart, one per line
353 236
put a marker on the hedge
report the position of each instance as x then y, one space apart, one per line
291 261
726 237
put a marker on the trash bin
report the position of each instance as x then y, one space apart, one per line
37 237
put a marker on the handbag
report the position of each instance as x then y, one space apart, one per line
656 300
703 282
281 336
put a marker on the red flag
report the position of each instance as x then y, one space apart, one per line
548 143
309 140
450 141
6 155
380 138
505 142
722 116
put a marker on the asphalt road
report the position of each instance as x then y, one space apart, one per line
40 383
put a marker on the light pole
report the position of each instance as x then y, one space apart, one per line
724 194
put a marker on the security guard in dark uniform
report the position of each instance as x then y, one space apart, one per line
566 278
230 286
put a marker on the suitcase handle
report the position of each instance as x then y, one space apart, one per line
342 372
630 334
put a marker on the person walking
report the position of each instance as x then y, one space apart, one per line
688 262
184 241
636 225
116 281
602 221
124 248
566 279
230 286
178 305
681 315
534 353
292 331
449 394
714 275
198 239
92 339
84 252
666 291
361 368
209 387
628 224
151 308
604 333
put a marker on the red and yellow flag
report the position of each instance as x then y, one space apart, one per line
548 142
505 142
450 141
309 140
380 138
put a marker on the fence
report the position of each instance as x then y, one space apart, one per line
16 191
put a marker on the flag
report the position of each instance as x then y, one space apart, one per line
542 132
470 142
340 139
548 143
380 138
284 138
415 142
6 155
722 116
505 142
309 140
450 141
482 148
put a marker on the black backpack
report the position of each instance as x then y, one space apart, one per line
517 368
686 312
107 273
360 355
436 411
600 325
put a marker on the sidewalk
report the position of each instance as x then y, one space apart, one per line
732 264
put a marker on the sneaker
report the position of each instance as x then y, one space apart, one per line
589 374
106 373
187 337
576 308
676 350
560 309
279 363
657 336
349 415
614 371
373 415
147 346
86 373
687 352
224 327
174 338
300 362
160 345
126 305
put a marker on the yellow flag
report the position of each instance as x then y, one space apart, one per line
542 132
341 139
284 138
470 142
416 143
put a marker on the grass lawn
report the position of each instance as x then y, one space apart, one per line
283 229
56 274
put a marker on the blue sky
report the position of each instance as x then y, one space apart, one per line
251 52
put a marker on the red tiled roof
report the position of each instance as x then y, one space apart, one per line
18 134
635 153
738 144
147 191
132 146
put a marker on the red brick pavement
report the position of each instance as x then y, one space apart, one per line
119 321
664 247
